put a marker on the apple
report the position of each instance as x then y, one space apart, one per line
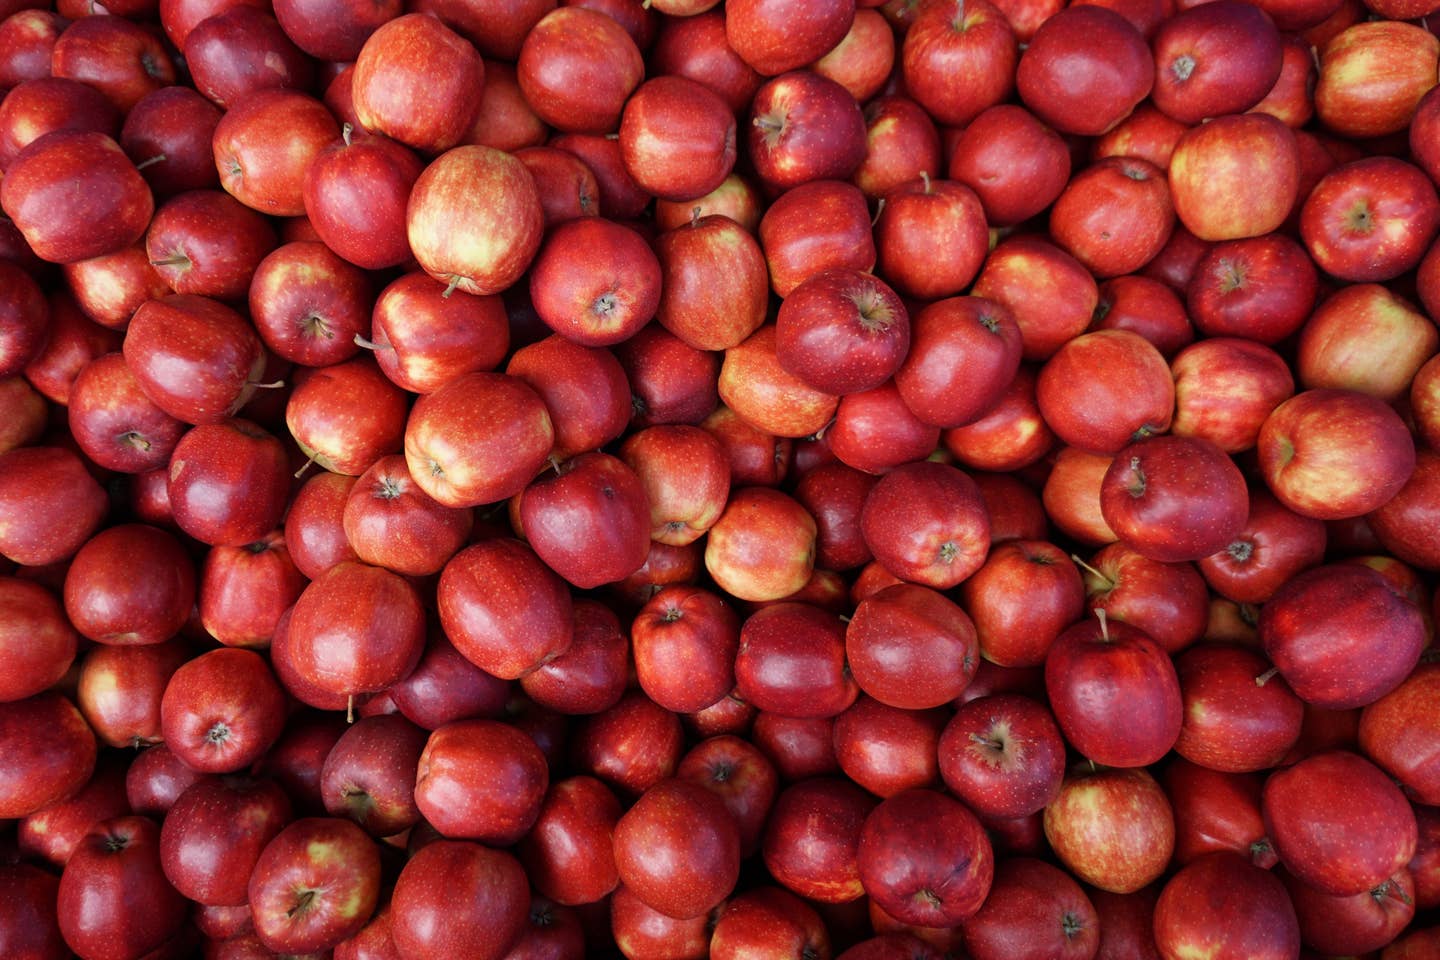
595 281
28 36
49 505
812 839
864 59
888 749
25 414
347 416
1275 544
948 545
109 289
315 884
1009 434
1364 312
684 641
834 494
1370 220
917 213
1308 809
1225 388
419 82
369 775
1335 454
568 854
1113 829
763 545
503 608
911 877
55 832
264 143
1353 98
214 833
390 522
24 316
474 220
49 104
207 243
369 234
1394 735
222 710
768 921
1016 164
1357 923
38 642
1069 85
1104 390
1145 306
478 439
804 127
227 483
709 302
1024 595
61 223
677 138
577 67
1174 498
244 590
1215 61
975 39
754 384
113 898
195 358
1002 755
481 780
910 647
1216 811
842 332
1237 719
308 304
168 135
314 525
677 849
644 933
120 58
52 753
1223 904
1050 293
815 226
1034 911
791 660
1235 176
875 431
28 925
130 584
568 188
772 38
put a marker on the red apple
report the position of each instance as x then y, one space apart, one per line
813 836
1002 755
842 331
1236 176
1009 434
915 879
418 82
1237 719
816 226
768 922
946 39
888 749
1216 61
481 780
1069 84
1024 595
369 775
577 67
677 138
308 304
37 643
314 885
263 145
595 281
1223 904
368 233
1145 306
214 833
678 849
130 584
114 899
910 647
1034 911
763 545
1174 498
456 898
931 237
168 135
227 483
1050 293
222 710
1016 164
195 358
49 505
804 127
791 661
942 546
1112 829
208 244
28 925
1354 97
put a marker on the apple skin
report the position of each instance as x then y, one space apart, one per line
1174 498
791 660
228 483
709 306
1214 62
63 224
1310 810
804 127
444 686
52 752
24 319
28 36
901 144
176 123
1112 829
910 647
595 281
504 609
1370 220
768 922
1035 912
816 226
347 416
214 833
426 338
1275 544
1064 80
1234 177
1025 594
478 439
156 779
1217 811
1355 924
1224 904
195 358
1234 721
418 82
946 40
1104 390
887 749
263 145
644 933
222 710
37 642
1330 616
834 494
244 590
842 332
1010 434
114 900
755 385
50 104
1365 313
206 243
28 925
772 37
481 780
1395 734
1016 164
569 854
474 220
25 413
1335 454
677 849
314 885
914 875
369 775
54 833
931 237
813 836
314 525
577 68
686 476
1002 756
695 46
589 677
50 505
939 549
1050 293
763 545
1145 306
130 584
875 431
1393 61
567 186
1114 216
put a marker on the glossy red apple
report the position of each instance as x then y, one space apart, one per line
314 885
912 877
678 849
114 899
213 835
945 545
1246 911
1066 81
595 281
1034 910
418 82
49 505
1112 829
910 647
481 780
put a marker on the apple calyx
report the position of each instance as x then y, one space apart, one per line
219 733
1262 854
1183 66
1136 486
133 438
115 842
1232 275
1358 218
1241 550
1071 926
386 489
359 803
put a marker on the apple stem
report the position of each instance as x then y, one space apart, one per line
306 466
1109 584
984 741
170 261
1264 678
346 131
449 289
350 708
151 162
925 179
272 385
1104 624
360 341
879 209
695 215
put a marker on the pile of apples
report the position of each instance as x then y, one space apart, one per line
490 479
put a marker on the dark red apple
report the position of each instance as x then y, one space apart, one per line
130 584
368 232
314 885
114 899
195 358
208 244
947 39
910 647
804 127
577 67
913 877
1174 498
1246 911
1112 829
1002 755
222 710
49 505
369 775
569 854
1034 912
943 546
678 849
213 835
228 482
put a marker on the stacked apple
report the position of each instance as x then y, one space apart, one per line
494 479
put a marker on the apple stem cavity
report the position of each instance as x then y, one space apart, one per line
158 158
1137 479
302 904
